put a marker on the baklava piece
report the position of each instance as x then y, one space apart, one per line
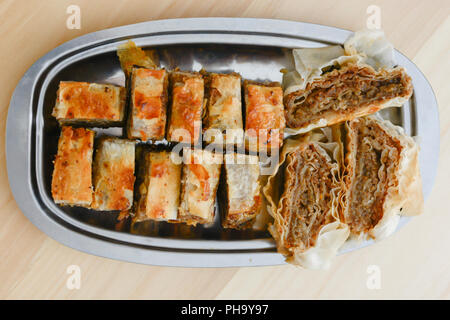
224 108
114 174
186 107
200 179
242 195
89 104
264 119
148 104
72 173
159 192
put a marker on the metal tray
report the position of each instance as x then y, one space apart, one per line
256 48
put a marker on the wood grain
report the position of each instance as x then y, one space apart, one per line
414 263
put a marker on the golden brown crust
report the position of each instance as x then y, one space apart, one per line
264 120
89 103
186 108
159 192
346 93
224 105
200 180
72 173
149 95
114 174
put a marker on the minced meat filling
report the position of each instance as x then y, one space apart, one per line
377 154
344 91
307 196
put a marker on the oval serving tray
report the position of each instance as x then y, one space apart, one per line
256 48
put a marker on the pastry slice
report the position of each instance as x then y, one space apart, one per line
223 108
148 104
89 104
241 191
113 174
185 123
159 192
382 178
200 179
345 92
72 173
264 116
305 204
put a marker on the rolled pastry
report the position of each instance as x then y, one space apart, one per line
381 178
306 207
332 84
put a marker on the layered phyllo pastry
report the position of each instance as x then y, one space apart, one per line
334 84
223 118
304 199
381 177
90 104
114 174
200 179
264 116
72 173
185 123
241 191
131 55
148 104
159 191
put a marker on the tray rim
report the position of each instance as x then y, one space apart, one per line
131 252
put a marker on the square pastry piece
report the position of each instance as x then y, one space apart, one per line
242 191
224 109
147 118
201 173
264 119
159 191
187 107
113 175
72 173
89 104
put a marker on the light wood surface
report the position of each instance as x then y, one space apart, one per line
414 263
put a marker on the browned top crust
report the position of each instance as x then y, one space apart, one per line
187 107
114 175
83 101
72 173
264 115
148 104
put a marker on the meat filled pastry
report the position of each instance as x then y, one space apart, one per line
306 204
334 84
113 174
241 191
223 119
148 104
72 173
382 179
159 192
185 123
90 104
131 55
264 116
200 179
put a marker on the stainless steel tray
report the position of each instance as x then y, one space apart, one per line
256 48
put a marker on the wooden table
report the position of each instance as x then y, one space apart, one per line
414 263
